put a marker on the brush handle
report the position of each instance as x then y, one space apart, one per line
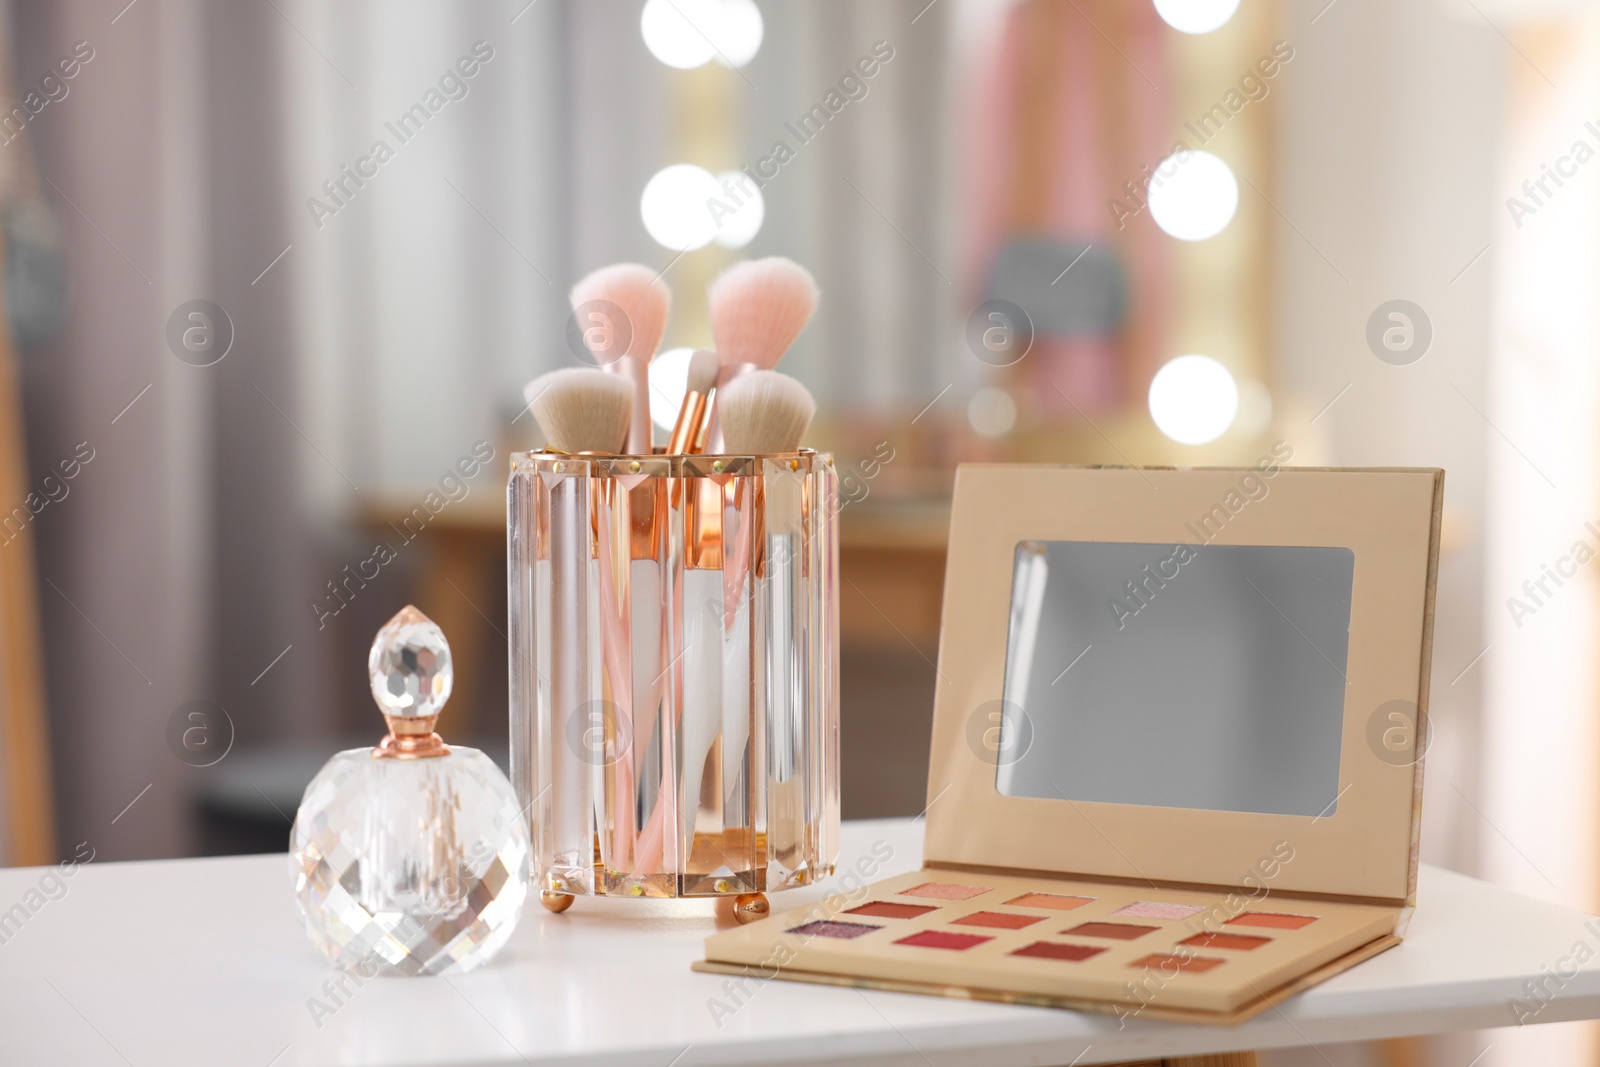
690 425
639 439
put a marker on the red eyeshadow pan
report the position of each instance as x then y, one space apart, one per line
940 939
997 919
1053 901
1243 942
1115 931
888 909
944 891
1272 919
1174 964
830 928
1044 950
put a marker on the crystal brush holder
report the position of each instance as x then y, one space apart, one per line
674 672
411 857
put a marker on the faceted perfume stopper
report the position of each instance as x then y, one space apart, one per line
410 666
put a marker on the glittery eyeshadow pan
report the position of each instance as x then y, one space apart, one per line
945 891
832 928
1154 909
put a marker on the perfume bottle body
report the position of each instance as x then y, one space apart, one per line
409 866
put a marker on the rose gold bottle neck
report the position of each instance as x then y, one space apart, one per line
411 738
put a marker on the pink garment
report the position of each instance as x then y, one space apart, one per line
1105 125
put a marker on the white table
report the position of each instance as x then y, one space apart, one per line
182 962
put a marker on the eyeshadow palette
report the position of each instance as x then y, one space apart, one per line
1177 725
995 940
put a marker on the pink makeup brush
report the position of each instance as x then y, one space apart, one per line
623 313
758 308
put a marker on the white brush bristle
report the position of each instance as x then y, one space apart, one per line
581 409
764 411
643 299
703 369
758 308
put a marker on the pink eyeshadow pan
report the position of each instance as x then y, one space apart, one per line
1053 901
1154 909
941 939
944 891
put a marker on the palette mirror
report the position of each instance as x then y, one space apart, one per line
1106 639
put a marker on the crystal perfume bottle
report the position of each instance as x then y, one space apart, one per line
411 857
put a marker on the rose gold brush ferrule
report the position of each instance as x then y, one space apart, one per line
411 737
688 433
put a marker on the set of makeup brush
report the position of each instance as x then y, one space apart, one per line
734 403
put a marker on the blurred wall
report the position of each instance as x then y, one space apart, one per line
1391 181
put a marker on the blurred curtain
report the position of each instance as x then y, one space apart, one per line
381 327
170 571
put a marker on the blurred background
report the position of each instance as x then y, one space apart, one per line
273 269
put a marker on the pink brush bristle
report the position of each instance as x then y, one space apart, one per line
758 308
639 294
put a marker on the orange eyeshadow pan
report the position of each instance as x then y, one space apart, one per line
1044 950
1243 942
940 939
997 919
1167 962
1053 901
944 891
1115 931
1272 919
888 909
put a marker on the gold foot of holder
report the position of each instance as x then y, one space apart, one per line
748 907
555 902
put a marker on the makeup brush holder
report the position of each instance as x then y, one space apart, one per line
675 672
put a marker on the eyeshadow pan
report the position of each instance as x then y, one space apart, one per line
1154 909
1114 931
1243 942
941 939
1169 962
1046 951
833 928
888 909
944 891
1272 919
997 919
1053 901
